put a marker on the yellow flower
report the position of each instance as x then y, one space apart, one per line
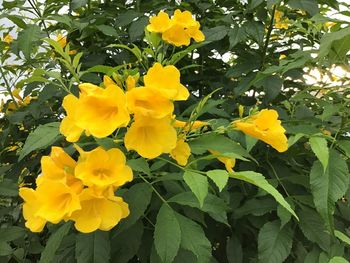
58 201
227 161
8 39
278 16
62 41
265 126
282 56
98 111
57 165
31 206
102 168
159 23
167 81
190 126
282 25
184 19
148 102
99 211
195 33
68 126
181 152
151 137
329 24
130 82
177 36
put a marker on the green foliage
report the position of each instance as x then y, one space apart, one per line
275 207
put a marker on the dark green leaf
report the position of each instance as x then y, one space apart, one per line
93 247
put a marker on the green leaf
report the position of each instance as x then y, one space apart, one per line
319 147
125 18
218 143
75 4
8 188
310 6
43 136
284 215
260 181
236 35
126 244
181 54
54 242
137 205
338 260
139 165
167 234
93 247
11 233
5 249
313 228
28 38
136 29
256 31
345 146
272 86
213 205
274 244
219 177
329 39
329 186
234 250
194 239
198 184
256 207
342 237
216 33
107 30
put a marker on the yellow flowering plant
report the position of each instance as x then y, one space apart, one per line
173 132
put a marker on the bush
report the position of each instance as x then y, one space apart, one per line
242 159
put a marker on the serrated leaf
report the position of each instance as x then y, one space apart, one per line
219 177
54 242
310 6
313 228
260 181
329 186
126 244
93 247
167 234
43 136
216 33
139 165
194 239
213 205
27 38
11 233
319 147
138 197
198 184
274 244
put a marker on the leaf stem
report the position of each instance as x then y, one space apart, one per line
154 190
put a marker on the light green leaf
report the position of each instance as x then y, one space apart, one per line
43 136
329 186
194 239
198 184
54 243
319 147
342 237
219 177
93 247
310 6
5 249
328 40
274 244
167 234
284 215
338 260
260 181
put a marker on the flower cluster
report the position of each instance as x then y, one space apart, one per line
81 191
178 30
